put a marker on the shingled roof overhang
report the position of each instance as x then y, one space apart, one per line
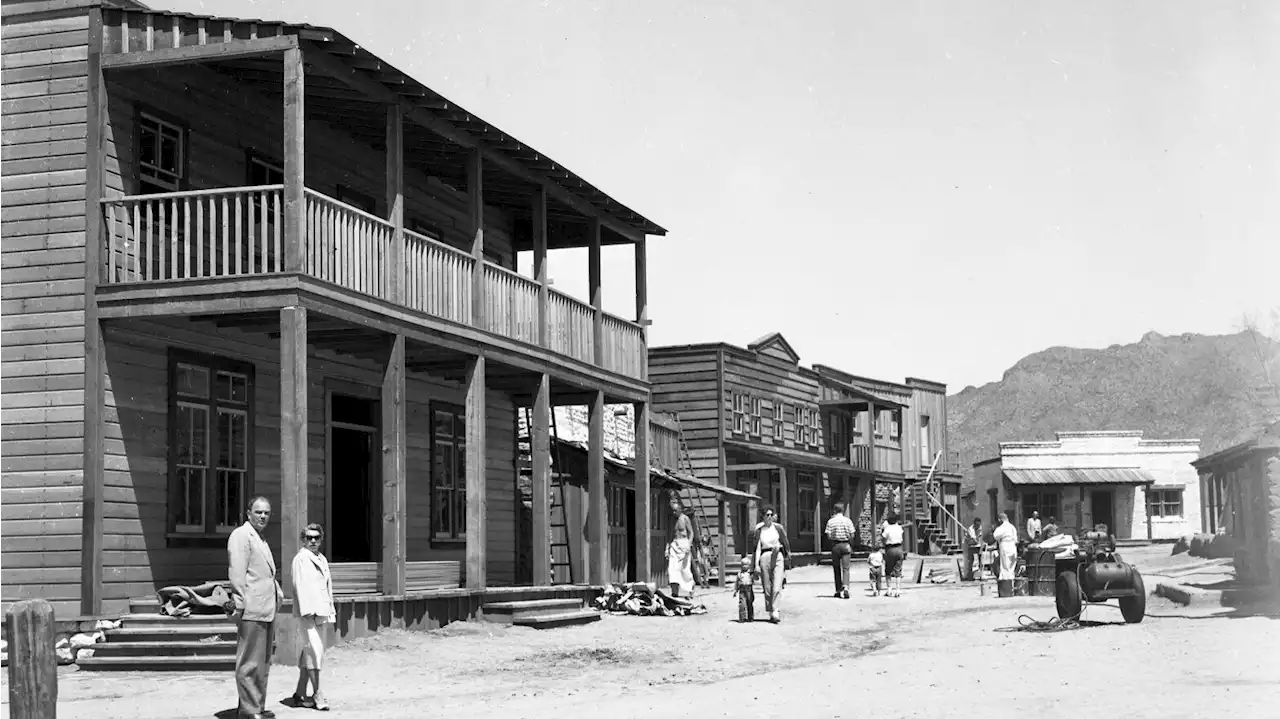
349 88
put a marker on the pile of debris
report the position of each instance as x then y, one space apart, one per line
645 600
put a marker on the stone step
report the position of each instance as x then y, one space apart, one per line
508 612
159 649
157 663
225 632
130 621
558 619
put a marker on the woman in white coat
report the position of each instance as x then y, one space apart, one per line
313 606
1006 537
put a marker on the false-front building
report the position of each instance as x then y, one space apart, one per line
803 438
246 257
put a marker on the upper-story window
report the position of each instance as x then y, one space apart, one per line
739 413
895 425
839 435
926 450
161 155
756 416
779 411
877 424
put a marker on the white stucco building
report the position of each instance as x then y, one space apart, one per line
1140 488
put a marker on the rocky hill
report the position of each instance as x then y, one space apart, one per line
1188 386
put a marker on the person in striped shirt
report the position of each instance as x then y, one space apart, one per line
840 531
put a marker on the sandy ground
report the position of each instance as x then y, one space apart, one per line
937 651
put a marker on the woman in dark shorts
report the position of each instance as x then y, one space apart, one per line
891 535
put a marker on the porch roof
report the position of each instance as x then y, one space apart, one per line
626 470
1096 475
351 85
790 457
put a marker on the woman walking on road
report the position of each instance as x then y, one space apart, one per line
891 535
771 554
313 605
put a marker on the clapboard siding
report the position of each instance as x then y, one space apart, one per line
684 383
227 120
42 121
773 380
136 447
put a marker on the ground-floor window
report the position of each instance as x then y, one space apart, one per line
1164 503
448 472
211 442
1046 503
806 502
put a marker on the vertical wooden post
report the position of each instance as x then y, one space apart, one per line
293 435
781 509
540 263
33 665
593 281
91 521
475 214
597 517
1146 501
475 473
394 510
295 202
640 521
642 304
540 449
722 524
395 203
819 479
870 437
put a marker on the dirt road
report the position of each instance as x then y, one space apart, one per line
939 651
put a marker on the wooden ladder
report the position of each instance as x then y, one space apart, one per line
684 463
558 518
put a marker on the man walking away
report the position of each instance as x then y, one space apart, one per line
253 576
840 531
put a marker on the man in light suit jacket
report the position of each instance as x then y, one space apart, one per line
253 576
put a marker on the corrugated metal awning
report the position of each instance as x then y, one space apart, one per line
1096 475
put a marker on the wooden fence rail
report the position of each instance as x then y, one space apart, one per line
511 303
570 327
346 246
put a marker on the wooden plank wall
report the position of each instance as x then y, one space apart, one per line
773 380
226 121
932 402
137 559
43 195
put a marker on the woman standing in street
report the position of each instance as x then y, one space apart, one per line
1006 537
771 554
313 606
680 564
891 535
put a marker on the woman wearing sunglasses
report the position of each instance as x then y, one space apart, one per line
771 554
313 606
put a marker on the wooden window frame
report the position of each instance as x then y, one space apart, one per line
1159 498
806 484
142 116
456 535
739 404
210 534
895 425
1037 503
252 158
756 415
926 445
779 420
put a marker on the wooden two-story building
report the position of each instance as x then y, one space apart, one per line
246 257
803 438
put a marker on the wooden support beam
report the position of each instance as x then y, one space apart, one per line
722 525
597 512
597 298
295 206
540 263
819 479
642 303
870 435
215 52
293 435
395 203
640 519
394 503
92 520
784 516
540 449
749 467
475 474
475 217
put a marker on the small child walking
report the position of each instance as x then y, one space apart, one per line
745 589
875 571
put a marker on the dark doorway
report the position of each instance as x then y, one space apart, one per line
356 534
632 574
1103 511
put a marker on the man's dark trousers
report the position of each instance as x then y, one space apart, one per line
841 553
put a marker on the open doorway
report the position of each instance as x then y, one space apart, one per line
1103 509
355 534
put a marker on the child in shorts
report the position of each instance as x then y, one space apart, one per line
875 571
746 592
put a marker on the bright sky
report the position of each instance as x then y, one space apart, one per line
929 189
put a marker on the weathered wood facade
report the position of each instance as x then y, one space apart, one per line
250 258
755 419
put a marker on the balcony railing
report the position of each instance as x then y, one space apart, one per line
887 459
238 232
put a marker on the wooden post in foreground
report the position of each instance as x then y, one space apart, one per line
33 666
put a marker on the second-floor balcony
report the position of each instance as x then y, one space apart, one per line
238 232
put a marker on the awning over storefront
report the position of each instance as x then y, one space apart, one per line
689 480
790 458
620 471
1098 475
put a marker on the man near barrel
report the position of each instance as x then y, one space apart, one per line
840 531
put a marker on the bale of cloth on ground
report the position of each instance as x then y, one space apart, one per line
645 600
207 598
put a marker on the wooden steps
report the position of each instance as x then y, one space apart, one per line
149 641
159 663
540 613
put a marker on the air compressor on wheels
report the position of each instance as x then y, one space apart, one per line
1095 574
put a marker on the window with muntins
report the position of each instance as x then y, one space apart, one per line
448 472
211 441
161 155
739 413
1046 503
756 418
779 411
807 503
1164 503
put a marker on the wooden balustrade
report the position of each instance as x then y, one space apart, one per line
239 231
887 459
346 246
202 233
571 326
437 278
511 304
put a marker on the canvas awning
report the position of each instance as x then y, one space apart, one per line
1097 475
790 457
